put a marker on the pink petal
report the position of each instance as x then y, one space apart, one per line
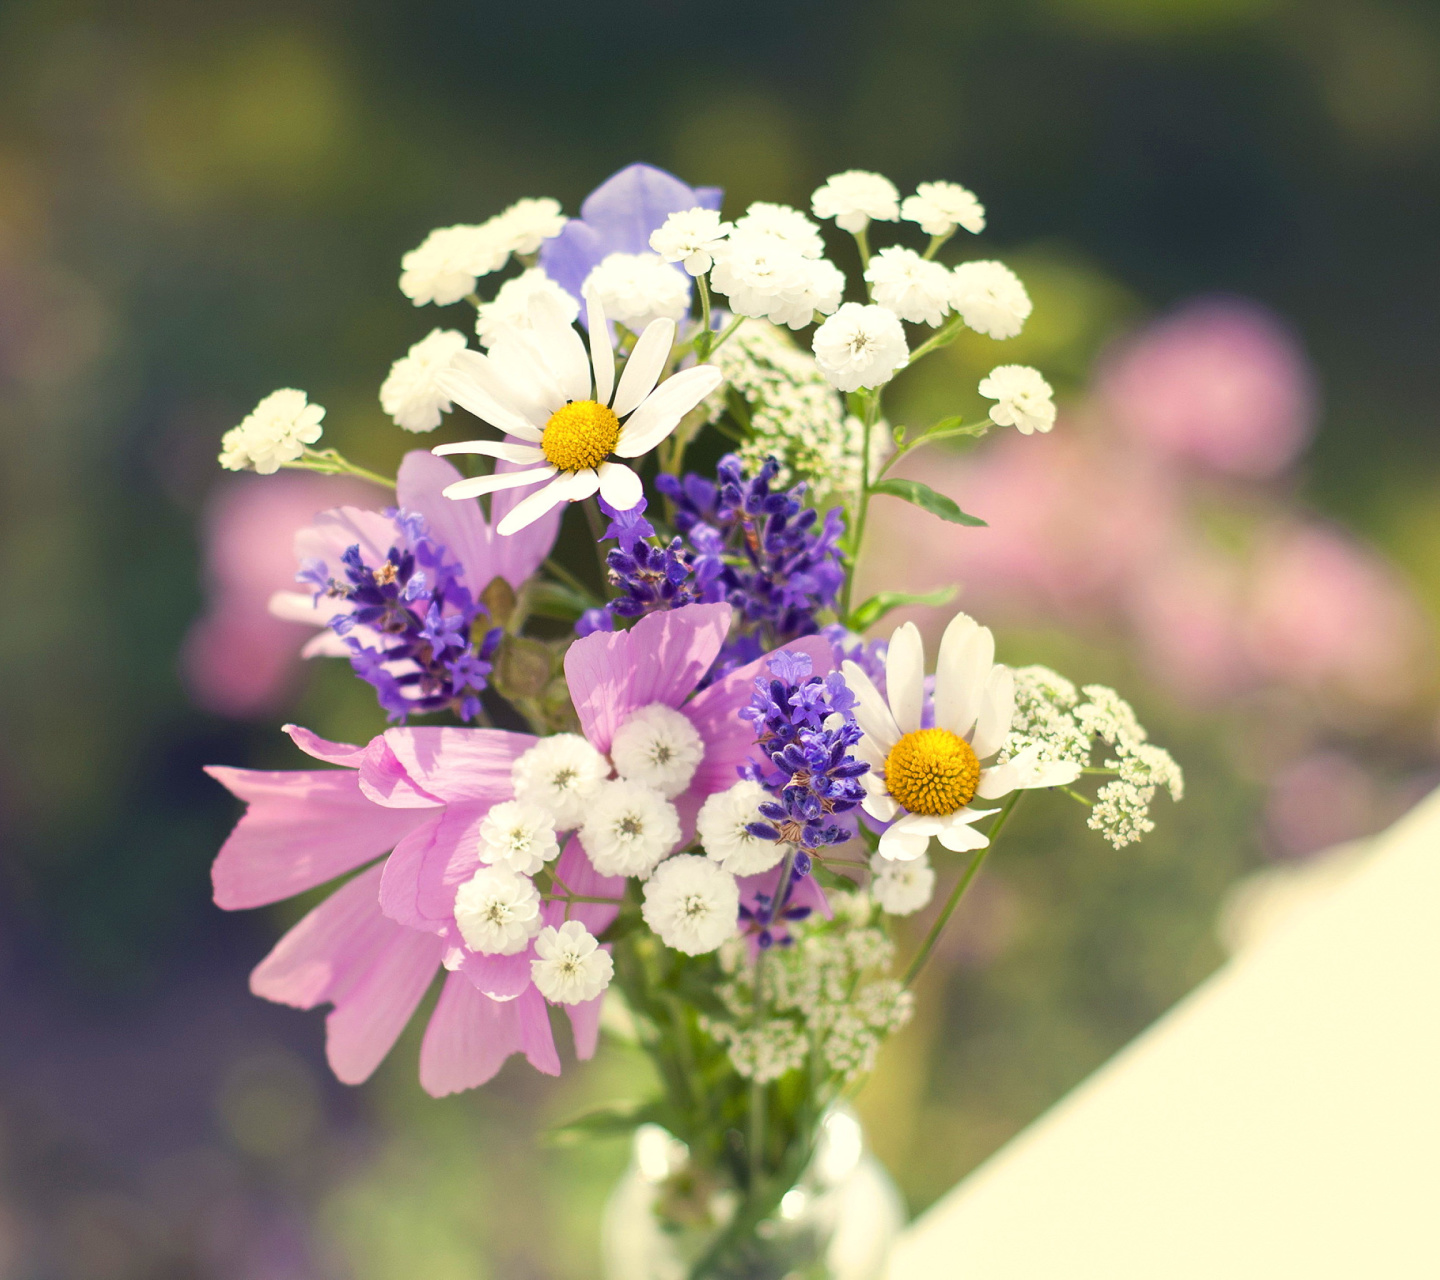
661 659
312 744
468 1039
421 876
399 895
585 1025
373 971
385 781
334 532
457 764
302 828
536 1038
502 977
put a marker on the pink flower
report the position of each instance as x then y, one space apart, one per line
459 527
237 659
1220 382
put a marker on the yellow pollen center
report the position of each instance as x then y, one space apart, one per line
932 771
580 435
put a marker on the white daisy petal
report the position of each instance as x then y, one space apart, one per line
565 355
472 383
620 486
902 844
532 370
602 353
967 652
662 409
868 751
643 368
501 480
880 807
492 449
871 713
961 837
997 710
905 676
572 486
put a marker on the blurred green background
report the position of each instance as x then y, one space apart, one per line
200 203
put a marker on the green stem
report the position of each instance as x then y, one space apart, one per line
938 339
570 580
862 242
702 339
958 892
862 504
725 334
934 246
328 462
596 520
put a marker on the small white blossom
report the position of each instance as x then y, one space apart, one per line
1026 399
692 904
860 346
781 224
443 268
409 394
766 278
636 288
514 305
561 774
274 432
723 827
911 287
854 197
901 888
762 1053
527 223
990 298
659 747
940 207
497 911
690 238
570 967
628 828
519 837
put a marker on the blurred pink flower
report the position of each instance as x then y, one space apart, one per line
1326 614
1317 801
237 659
1220 382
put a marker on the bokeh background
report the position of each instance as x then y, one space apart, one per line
1225 213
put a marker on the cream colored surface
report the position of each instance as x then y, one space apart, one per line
1282 1121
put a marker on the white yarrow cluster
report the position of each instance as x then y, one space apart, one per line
518 836
912 287
570 967
762 1053
691 237
561 774
990 298
854 198
659 747
636 288
767 279
497 911
409 395
628 828
513 306
274 432
443 268
723 827
860 346
691 903
940 207
901 888
1027 401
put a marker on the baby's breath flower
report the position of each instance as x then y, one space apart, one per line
860 346
497 911
444 267
691 238
901 888
409 394
782 224
528 223
768 278
940 207
911 287
569 966
275 431
636 288
1026 399
691 903
854 197
514 305
628 828
990 298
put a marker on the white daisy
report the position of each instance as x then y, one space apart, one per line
497 912
901 888
518 836
512 305
659 747
690 238
636 288
560 774
990 298
854 197
569 966
1027 401
912 287
940 207
921 781
723 826
692 903
537 387
409 394
860 346
628 828
274 432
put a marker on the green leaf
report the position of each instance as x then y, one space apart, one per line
555 600
922 495
949 428
615 1120
878 606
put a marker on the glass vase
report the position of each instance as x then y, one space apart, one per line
836 1223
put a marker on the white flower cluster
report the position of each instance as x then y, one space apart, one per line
636 288
275 431
410 394
823 989
1059 723
445 266
796 416
1026 399
512 307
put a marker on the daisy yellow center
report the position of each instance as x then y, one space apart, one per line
932 772
580 435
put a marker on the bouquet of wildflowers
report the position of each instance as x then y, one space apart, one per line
683 788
